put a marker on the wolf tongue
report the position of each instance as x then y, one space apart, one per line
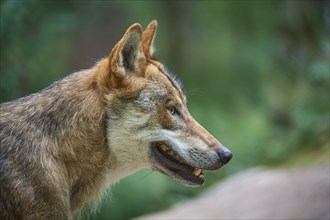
185 169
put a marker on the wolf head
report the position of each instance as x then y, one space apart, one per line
148 122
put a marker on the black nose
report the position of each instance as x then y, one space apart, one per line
225 155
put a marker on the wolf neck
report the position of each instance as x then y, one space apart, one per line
73 115
79 109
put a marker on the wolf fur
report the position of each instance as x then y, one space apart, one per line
63 146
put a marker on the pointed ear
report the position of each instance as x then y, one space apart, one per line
125 55
123 60
148 38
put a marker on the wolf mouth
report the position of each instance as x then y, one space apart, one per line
176 165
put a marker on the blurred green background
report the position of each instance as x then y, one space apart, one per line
256 74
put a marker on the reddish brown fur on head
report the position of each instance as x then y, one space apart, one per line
129 57
140 94
148 38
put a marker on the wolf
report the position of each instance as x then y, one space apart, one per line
63 146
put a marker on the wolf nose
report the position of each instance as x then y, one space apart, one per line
225 155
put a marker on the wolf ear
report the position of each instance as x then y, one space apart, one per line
148 38
123 60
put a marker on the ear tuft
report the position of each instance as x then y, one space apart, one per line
148 38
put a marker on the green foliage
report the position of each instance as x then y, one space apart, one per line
256 74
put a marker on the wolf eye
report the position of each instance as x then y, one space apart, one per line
174 111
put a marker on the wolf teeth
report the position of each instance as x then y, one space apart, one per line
168 151
171 153
198 172
164 148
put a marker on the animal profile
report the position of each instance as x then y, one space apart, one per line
62 147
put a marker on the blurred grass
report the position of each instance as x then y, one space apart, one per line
256 74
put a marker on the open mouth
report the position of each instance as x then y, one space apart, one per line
176 165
